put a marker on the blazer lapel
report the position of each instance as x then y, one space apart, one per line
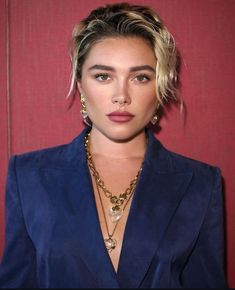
156 199
76 203
158 193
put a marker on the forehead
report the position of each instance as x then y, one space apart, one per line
125 51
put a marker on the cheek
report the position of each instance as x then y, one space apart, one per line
95 95
92 98
95 102
151 108
149 103
147 96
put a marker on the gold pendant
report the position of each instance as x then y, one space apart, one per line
116 214
110 244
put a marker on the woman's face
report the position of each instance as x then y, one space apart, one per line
119 86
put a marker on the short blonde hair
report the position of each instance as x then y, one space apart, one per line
123 19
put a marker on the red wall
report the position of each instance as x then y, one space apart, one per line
35 70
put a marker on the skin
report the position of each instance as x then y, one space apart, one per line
118 74
123 86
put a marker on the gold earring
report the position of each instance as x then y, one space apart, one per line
155 116
154 119
83 110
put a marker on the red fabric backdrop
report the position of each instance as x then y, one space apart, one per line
35 70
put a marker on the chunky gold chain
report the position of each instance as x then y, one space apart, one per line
117 201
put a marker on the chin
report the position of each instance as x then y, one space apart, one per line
122 135
119 132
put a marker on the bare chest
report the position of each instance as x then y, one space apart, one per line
111 228
113 216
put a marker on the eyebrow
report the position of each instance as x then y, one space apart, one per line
132 69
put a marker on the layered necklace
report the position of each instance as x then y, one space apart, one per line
118 203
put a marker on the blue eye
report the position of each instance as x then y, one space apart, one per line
102 77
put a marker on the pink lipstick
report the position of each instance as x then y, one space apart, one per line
120 117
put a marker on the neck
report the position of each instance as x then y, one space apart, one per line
103 146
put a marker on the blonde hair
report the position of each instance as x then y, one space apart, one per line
123 19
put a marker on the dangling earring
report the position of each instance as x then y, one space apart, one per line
83 111
155 116
154 119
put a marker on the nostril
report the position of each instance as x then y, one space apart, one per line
121 99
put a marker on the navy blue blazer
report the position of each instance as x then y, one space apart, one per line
173 236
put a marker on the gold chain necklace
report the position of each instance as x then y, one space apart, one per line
110 242
117 202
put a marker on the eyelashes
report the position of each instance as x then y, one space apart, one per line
102 77
141 78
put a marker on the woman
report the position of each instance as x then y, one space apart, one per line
114 208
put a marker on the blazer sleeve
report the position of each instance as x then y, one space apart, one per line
18 265
205 266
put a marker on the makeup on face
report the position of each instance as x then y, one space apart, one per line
120 117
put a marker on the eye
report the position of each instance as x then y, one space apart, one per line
102 77
142 78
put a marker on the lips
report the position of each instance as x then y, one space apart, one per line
120 117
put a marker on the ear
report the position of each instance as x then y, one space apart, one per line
79 85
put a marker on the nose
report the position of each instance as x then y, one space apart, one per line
121 95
